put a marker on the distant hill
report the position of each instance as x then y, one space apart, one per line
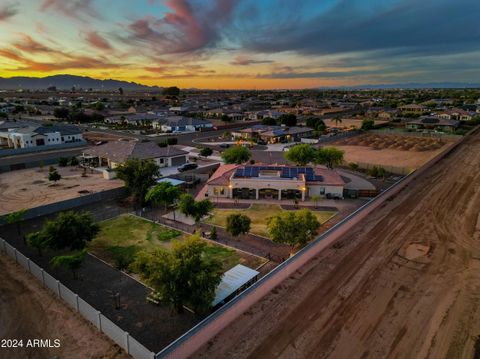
63 82
411 85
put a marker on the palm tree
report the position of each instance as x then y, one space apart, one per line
337 120
316 198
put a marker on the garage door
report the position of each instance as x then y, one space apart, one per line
177 161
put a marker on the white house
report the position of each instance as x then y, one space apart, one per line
32 135
114 153
274 182
184 124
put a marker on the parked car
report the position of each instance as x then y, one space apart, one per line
187 167
224 145
333 196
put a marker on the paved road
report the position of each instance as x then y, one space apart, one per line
183 139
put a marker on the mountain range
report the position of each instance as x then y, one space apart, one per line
63 82
66 82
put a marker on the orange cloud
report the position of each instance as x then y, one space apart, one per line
97 41
31 46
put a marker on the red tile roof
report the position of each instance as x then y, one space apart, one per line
222 175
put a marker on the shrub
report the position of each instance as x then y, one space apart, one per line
353 166
74 161
213 234
172 141
62 161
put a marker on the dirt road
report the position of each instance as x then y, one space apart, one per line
404 284
29 311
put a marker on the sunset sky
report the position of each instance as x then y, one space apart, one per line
245 43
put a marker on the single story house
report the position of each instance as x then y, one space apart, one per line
260 115
136 119
456 114
114 153
18 134
184 124
433 124
413 109
274 182
274 134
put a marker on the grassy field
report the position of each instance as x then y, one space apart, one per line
122 237
258 213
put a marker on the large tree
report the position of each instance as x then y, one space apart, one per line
236 154
300 154
69 230
288 119
196 209
163 194
139 176
238 224
367 124
171 91
61 112
316 123
329 156
183 275
295 228
268 121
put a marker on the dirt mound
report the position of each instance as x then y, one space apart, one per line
416 250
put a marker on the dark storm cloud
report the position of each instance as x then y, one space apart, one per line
428 26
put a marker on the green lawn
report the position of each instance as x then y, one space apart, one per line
122 237
259 213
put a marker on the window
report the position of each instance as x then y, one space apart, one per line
219 191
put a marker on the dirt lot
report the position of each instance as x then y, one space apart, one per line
31 188
404 284
92 136
29 311
391 150
349 123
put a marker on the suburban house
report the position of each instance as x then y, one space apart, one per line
230 113
432 123
183 124
413 109
277 182
18 134
114 153
274 134
136 119
456 114
260 115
